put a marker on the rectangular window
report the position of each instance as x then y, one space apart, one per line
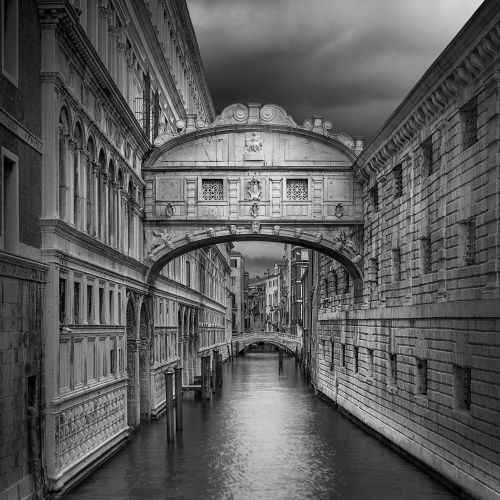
119 308
393 369
369 363
374 197
396 264
62 300
212 189
9 26
188 273
233 280
374 266
297 189
470 242
397 173
332 354
356 358
342 355
111 307
431 153
347 284
234 263
9 202
76 302
101 305
426 254
462 387
421 376
469 123
90 304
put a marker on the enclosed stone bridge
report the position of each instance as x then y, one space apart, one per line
253 174
290 344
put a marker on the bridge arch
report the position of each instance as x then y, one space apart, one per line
265 340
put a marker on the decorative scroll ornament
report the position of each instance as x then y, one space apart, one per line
169 210
276 230
232 229
318 237
211 232
189 237
339 211
254 189
254 143
298 232
255 210
255 228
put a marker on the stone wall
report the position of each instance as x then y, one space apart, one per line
21 290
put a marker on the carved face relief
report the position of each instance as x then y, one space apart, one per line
189 237
298 232
255 228
211 232
232 229
276 230
318 237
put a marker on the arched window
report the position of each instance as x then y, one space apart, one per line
101 209
76 175
119 214
111 204
90 186
130 223
63 158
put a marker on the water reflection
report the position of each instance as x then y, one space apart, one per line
265 436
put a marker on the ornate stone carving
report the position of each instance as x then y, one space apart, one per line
255 227
232 229
339 210
318 238
169 210
298 232
276 230
254 189
211 232
255 143
159 239
255 210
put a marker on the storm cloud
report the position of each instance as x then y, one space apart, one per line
351 61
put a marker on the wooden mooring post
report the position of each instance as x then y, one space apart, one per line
179 395
219 370
215 370
169 403
206 393
280 360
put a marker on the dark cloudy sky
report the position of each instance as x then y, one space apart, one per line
352 61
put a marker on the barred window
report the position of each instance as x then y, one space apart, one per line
398 180
212 189
297 189
427 254
469 120
470 242
374 197
421 378
396 263
462 387
431 151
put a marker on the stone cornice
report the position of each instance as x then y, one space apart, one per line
21 268
64 230
62 15
461 64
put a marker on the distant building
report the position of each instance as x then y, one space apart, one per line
257 303
237 287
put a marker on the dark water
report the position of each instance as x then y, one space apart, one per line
265 436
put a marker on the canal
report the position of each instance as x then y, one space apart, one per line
264 436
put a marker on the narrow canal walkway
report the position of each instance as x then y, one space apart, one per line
264 436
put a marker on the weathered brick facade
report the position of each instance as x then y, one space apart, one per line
419 360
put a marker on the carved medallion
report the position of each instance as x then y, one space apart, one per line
255 228
169 210
339 210
276 230
255 210
254 143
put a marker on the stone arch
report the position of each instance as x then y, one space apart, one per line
144 332
258 340
167 247
133 415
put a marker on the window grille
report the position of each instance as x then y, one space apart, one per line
469 120
431 152
398 181
427 254
370 363
212 189
76 303
332 355
421 376
356 359
297 189
396 263
374 265
342 355
62 300
462 387
470 242
393 367
374 197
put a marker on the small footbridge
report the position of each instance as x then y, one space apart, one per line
289 343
